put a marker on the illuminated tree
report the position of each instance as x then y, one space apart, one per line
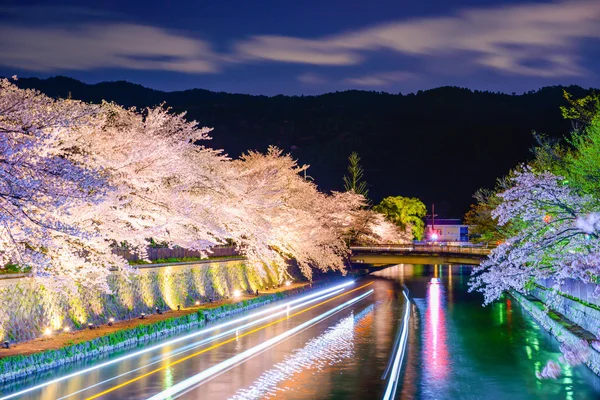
581 111
557 236
354 181
77 178
42 184
292 219
406 212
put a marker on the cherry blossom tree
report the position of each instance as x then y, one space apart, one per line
41 185
292 218
76 178
164 182
557 237
296 221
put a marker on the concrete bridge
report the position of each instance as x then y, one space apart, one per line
418 254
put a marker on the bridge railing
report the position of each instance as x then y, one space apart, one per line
422 248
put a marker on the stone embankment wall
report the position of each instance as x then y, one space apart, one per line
14 367
557 329
581 314
28 308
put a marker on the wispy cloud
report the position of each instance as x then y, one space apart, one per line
380 78
537 39
312 78
294 50
533 39
108 45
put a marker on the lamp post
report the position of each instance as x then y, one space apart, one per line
433 235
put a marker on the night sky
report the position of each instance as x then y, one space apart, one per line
306 47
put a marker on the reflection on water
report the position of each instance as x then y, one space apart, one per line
456 349
322 352
435 349
461 350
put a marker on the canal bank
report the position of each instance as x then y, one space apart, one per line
560 326
30 307
62 348
456 349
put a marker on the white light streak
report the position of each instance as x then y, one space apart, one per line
215 369
179 339
332 347
202 342
392 386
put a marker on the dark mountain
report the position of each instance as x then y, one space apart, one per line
439 145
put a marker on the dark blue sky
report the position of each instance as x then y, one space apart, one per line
306 47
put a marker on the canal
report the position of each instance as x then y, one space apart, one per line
339 348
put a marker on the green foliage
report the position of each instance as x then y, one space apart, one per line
578 159
581 111
582 163
406 212
354 180
13 269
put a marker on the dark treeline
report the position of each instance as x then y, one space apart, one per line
439 145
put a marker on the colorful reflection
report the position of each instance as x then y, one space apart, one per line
321 353
436 351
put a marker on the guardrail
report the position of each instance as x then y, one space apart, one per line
425 248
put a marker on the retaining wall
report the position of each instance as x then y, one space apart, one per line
586 317
27 307
557 330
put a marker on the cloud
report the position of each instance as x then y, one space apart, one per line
532 39
537 39
107 45
293 50
381 78
311 78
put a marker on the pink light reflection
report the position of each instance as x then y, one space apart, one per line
436 351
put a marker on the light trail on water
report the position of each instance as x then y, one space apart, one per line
192 346
221 344
392 386
233 361
176 340
335 345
